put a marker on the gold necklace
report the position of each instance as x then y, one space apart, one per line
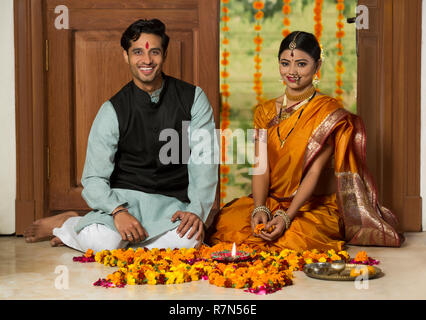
305 95
286 112
282 142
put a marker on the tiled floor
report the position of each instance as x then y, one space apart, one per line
37 271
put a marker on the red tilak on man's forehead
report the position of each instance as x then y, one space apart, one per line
147 45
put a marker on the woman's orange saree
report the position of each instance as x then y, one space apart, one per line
351 214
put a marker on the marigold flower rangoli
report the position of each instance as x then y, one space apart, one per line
266 272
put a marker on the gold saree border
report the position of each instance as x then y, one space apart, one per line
366 221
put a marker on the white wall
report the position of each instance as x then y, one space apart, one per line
423 118
7 116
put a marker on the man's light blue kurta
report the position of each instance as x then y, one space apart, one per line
154 211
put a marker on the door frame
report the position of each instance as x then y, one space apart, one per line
31 115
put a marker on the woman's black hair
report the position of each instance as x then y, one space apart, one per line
154 26
305 41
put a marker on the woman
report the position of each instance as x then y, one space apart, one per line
315 192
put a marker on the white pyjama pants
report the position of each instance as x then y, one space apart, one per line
99 237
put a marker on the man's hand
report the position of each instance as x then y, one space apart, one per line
129 227
191 221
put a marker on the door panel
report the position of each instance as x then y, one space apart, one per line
86 68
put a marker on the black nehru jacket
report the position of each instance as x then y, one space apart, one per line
137 161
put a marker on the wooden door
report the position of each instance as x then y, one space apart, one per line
86 68
389 103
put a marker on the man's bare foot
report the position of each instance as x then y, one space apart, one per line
42 229
56 242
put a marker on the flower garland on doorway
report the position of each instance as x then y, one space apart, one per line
226 107
318 27
258 40
339 64
286 20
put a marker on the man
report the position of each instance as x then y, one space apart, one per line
137 196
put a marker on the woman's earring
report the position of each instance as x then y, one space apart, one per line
316 80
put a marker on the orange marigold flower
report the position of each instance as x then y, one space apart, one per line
258 5
226 54
257 27
258 49
338 91
224 86
286 1
259 15
340 34
225 41
339 69
318 27
225 28
286 21
224 62
225 1
224 74
89 253
224 169
225 19
340 6
286 9
225 9
361 256
257 59
258 40
340 25
285 33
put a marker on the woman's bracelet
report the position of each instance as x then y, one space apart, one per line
263 209
118 211
285 216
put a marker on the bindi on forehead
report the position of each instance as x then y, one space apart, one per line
147 45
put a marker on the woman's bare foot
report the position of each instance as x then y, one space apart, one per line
56 242
42 229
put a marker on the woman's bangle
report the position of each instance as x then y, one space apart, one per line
285 216
263 209
118 211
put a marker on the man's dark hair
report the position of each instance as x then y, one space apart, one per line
154 26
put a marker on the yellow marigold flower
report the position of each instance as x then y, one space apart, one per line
344 253
322 259
130 279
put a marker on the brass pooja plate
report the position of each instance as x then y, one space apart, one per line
323 271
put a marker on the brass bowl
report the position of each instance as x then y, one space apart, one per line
321 268
338 266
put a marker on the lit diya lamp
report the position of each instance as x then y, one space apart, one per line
231 256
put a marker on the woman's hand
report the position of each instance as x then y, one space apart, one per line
278 225
259 217
129 227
